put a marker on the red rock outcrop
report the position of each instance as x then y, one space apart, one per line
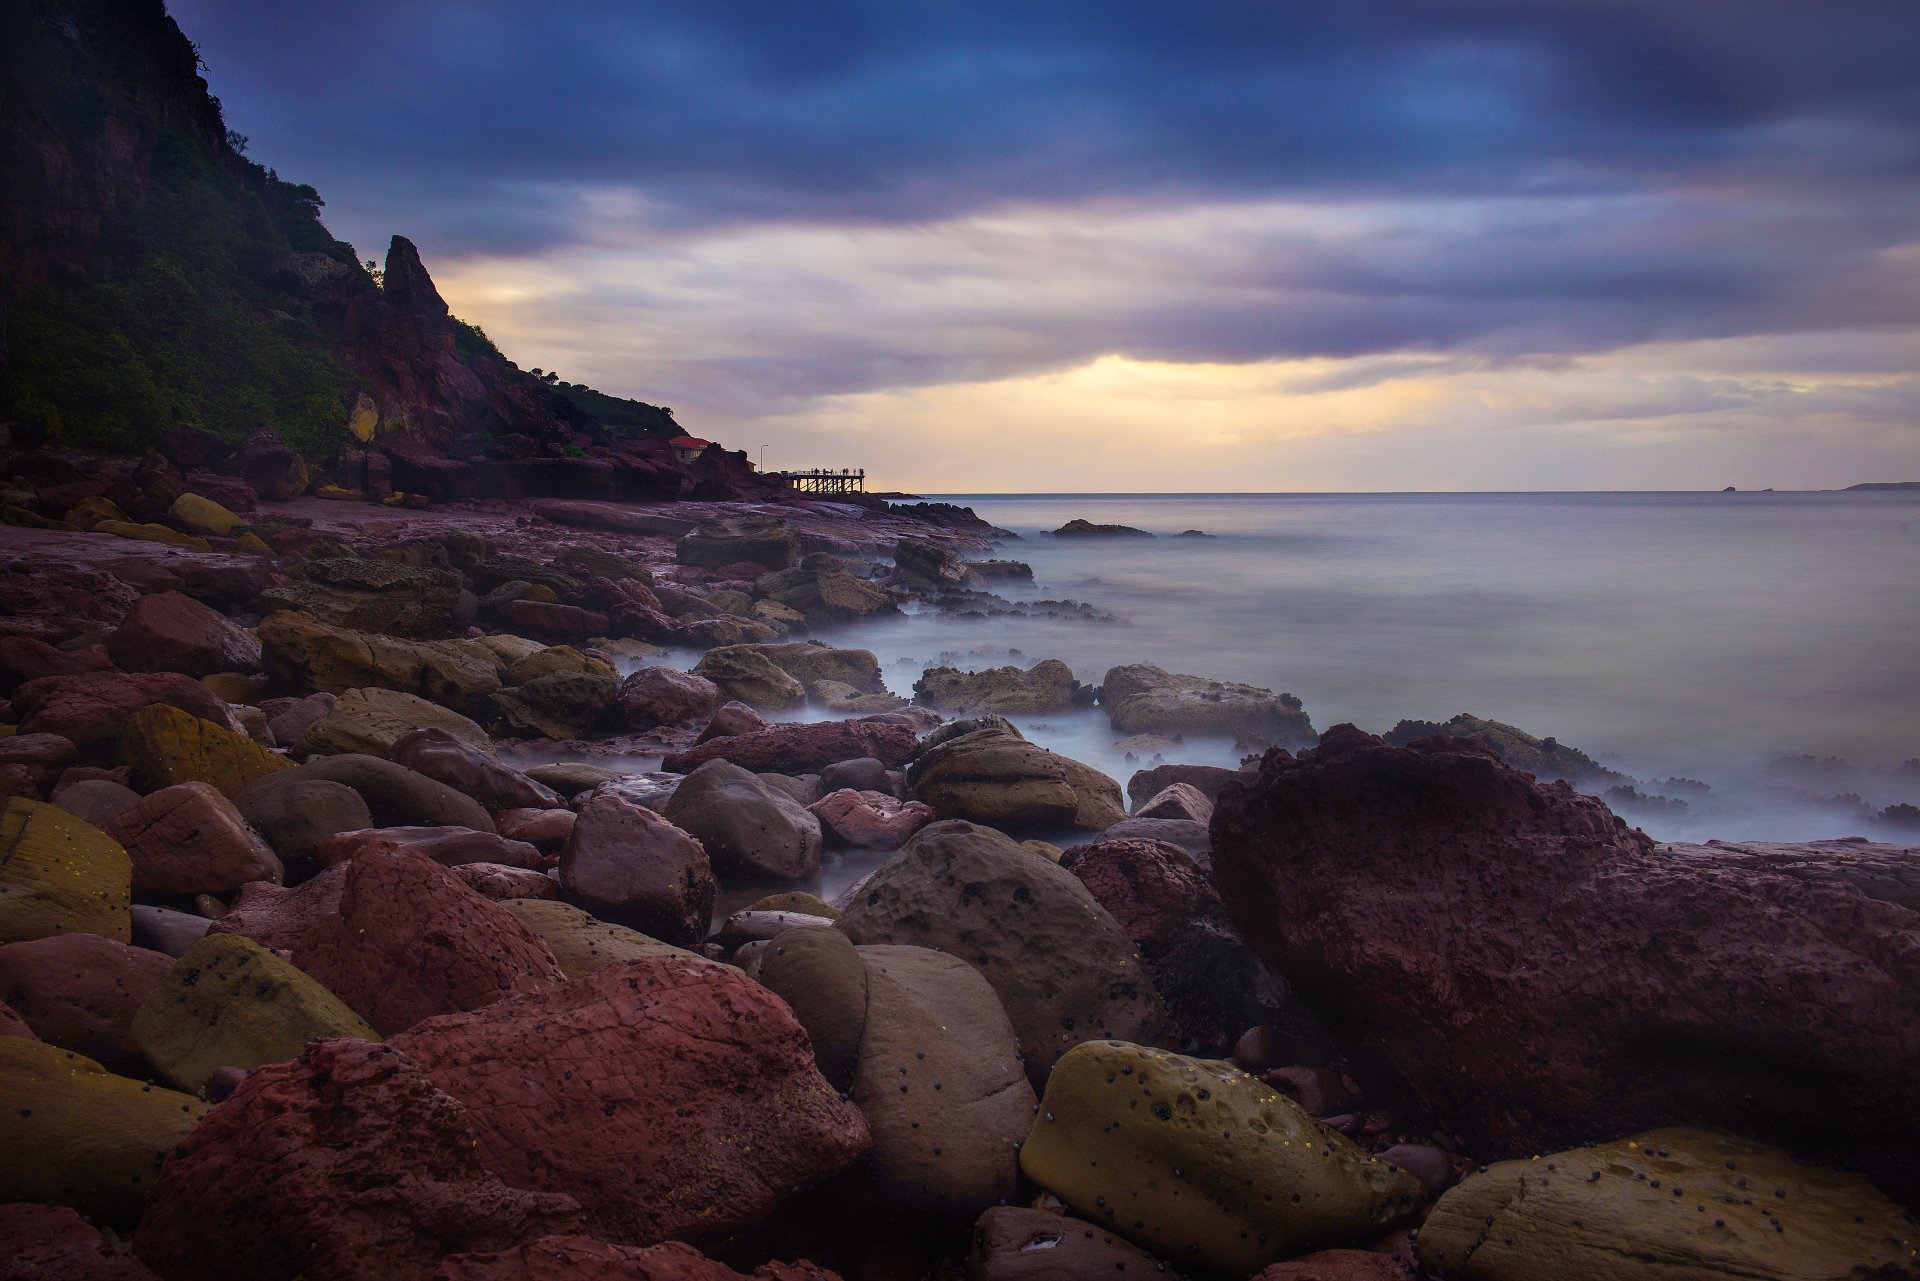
673 1098
345 1164
1541 974
397 937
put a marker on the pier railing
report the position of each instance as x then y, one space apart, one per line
823 480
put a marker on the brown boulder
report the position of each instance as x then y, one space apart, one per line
748 828
189 839
626 864
173 632
801 748
1206 779
395 936
296 815
396 795
550 620
89 708
659 696
80 992
344 1164
1541 974
701 1112
1177 801
470 770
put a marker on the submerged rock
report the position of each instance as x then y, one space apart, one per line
1081 528
1047 686
1142 699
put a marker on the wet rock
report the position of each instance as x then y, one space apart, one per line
561 705
703 1111
373 721
305 654
1146 699
166 746
839 699
189 839
659 696
1177 801
164 930
172 632
825 597
796 748
343 1164
501 883
1165 903
574 1258
1669 1203
1201 1163
396 937
1556 926
395 796
923 566
79 1136
733 719
712 546
743 676
572 778
447 846
296 815
1047 686
1546 759
994 776
747 828
59 875
53 1243
869 820
628 865
1011 1243
228 1002
80 991
581 942
89 709
1061 966
812 663
544 829
862 774
471 770
1079 528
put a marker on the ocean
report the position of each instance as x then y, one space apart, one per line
1766 645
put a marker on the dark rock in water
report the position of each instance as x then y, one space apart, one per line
1143 699
1541 974
1193 533
1047 686
747 827
1078 528
1002 570
1545 758
344 1163
1207 779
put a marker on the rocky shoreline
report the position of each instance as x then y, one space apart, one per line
344 935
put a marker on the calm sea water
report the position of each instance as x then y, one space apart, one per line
1699 635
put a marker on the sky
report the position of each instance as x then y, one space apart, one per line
1124 246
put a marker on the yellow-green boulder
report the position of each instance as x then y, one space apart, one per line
1202 1164
165 745
228 1002
152 534
89 512
1668 1205
584 943
59 875
75 1134
203 514
364 421
252 544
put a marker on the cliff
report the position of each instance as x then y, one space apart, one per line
158 290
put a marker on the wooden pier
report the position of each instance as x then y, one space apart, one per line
846 480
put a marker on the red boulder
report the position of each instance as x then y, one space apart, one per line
625 864
189 839
53 1243
173 632
447 846
465 768
869 820
657 696
88 709
499 883
801 748
81 991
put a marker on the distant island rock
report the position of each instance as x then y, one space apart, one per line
1193 533
1884 484
1086 529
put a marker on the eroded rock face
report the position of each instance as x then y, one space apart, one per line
1199 1162
1675 1203
703 1108
802 748
628 865
1062 968
397 937
1542 974
342 1164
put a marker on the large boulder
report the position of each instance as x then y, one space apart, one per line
583 943
1197 1161
1165 903
165 746
1540 973
173 632
1668 1205
59 875
814 662
1142 699
397 937
994 776
796 748
89 708
228 1002
304 654
1145 784
448 846
472 770
826 597
78 1135
189 839
383 597
744 676
373 721
701 1112
344 1164
657 697
80 992
1061 966
559 705
395 796
765 543
1047 686
1547 759
628 865
869 820
748 829
296 815
921 565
